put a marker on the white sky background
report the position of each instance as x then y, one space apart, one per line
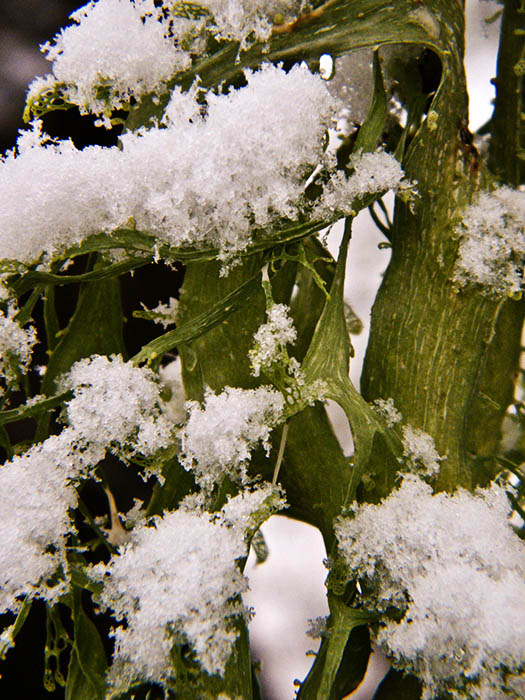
289 588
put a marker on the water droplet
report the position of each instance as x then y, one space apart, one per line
326 66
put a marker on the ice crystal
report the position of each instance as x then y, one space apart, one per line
115 50
219 436
116 405
387 409
492 242
455 567
271 337
16 346
165 314
317 627
177 581
255 147
420 451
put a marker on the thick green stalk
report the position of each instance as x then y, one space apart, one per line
429 340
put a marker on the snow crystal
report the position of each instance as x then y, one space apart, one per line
387 409
371 173
115 50
16 346
178 581
116 404
239 19
36 492
165 314
271 337
219 436
255 148
455 567
420 451
317 627
492 242
250 508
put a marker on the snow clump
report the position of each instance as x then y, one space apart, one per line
271 337
255 147
16 347
116 404
36 493
219 435
492 243
177 580
455 567
114 50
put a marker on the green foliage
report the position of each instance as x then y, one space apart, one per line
442 353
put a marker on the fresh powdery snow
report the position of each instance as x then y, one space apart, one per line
219 436
16 347
271 337
118 49
178 580
455 567
492 242
116 405
36 491
255 146
114 50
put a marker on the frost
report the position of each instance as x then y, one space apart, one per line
317 627
454 566
255 146
36 491
238 19
16 346
116 404
492 242
164 314
387 409
371 173
115 50
271 337
177 580
219 436
420 451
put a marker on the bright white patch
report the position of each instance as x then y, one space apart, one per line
177 580
116 405
219 436
271 337
455 567
16 347
492 242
